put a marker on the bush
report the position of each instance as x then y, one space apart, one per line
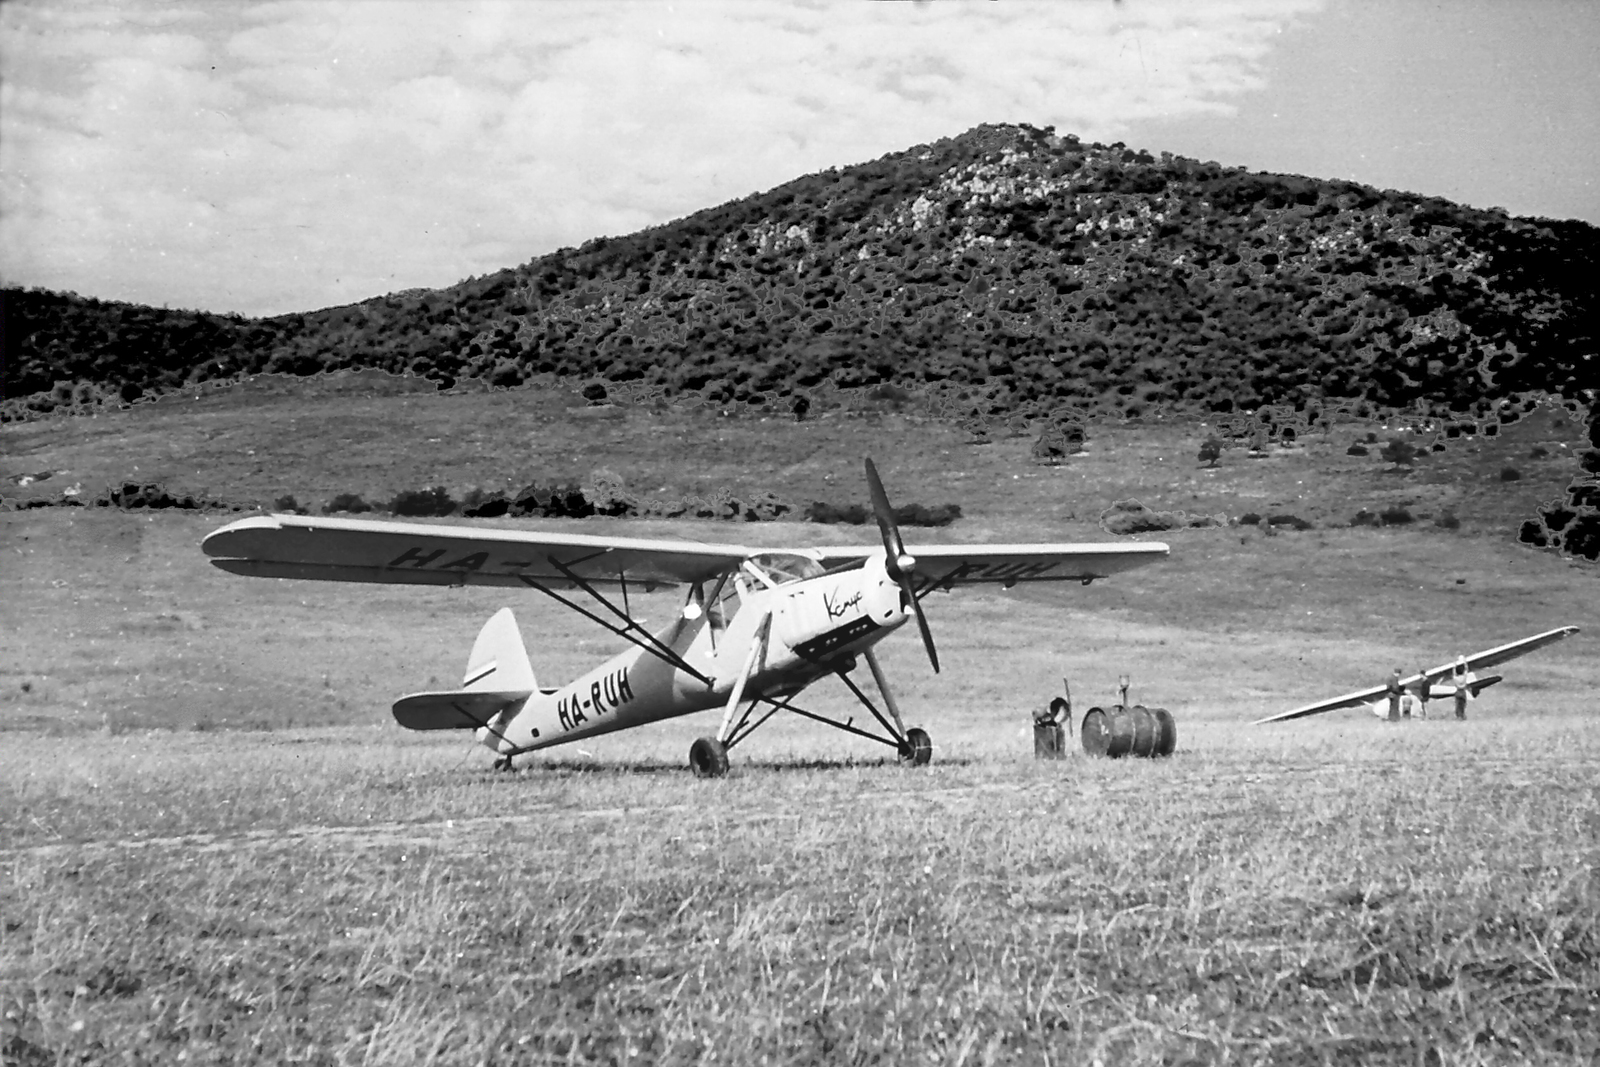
904 515
1131 517
1395 515
1249 518
1398 452
1364 518
346 502
476 504
1294 521
764 506
506 374
1210 452
150 495
1510 474
920 515
609 495
285 504
1358 450
835 515
1448 521
563 500
421 503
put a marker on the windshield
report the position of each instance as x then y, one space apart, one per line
776 568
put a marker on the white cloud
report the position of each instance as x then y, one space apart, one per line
284 156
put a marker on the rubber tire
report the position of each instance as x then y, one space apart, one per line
708 758
918 747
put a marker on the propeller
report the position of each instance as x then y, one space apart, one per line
897 562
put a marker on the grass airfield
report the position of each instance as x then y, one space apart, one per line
214 842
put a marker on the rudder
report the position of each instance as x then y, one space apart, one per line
499 660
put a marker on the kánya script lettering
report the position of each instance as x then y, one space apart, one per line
837 608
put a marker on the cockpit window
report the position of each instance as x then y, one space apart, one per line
776 568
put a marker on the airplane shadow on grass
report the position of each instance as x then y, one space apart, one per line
780 766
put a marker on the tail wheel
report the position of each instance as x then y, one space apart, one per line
708 758
917 749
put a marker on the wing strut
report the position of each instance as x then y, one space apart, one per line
631 631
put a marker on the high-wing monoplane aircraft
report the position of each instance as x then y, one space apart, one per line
757 626
1443 680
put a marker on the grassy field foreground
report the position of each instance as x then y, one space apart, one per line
216 847
1337 890
1342 892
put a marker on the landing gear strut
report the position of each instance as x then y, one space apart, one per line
708 757
503 763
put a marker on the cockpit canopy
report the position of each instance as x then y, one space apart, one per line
779 568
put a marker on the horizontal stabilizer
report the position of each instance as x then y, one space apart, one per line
499 677
457 710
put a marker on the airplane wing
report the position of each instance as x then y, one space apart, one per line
947 566
364 550
1489 657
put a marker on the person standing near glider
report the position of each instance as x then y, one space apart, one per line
1424 691
1463 680
1393 689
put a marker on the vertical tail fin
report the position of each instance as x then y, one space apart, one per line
499 661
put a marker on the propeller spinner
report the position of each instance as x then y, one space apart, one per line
897 562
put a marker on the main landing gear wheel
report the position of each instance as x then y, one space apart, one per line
708 758
917 749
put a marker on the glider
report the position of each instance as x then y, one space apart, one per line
1443 680
756 628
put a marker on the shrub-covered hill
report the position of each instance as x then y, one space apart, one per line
1022 269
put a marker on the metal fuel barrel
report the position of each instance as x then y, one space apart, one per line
1093 732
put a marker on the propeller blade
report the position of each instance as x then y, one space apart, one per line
898 563
922 624
893 546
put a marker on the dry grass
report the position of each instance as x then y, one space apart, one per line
322 887
1341 892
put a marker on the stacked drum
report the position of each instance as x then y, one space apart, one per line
1137 731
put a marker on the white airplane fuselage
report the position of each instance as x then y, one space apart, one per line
815 625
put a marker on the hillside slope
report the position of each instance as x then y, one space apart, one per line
1023 268
1009 271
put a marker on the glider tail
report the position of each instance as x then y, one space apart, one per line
498 676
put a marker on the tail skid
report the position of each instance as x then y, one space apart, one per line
498 676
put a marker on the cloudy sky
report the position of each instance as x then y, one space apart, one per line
285 156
